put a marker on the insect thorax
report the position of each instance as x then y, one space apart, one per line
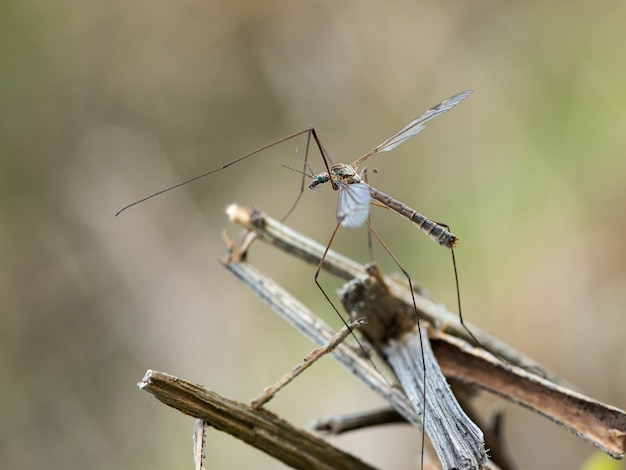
345 173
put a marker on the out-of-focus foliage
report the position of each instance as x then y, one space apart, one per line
600 461
105 102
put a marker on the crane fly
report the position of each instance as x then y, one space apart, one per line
353 206
356 196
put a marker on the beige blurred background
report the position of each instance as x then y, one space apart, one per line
105 102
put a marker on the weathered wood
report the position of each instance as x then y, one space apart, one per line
391 329
517 378
279 235
320 333
602 425
259 428
309 360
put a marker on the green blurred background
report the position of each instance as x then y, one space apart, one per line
105 102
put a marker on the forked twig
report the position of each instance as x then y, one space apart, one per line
309 360
599 424
314 328
458 445
279 235
519 380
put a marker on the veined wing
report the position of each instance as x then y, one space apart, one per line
416 125
353 205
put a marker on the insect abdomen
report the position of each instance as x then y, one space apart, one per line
437 232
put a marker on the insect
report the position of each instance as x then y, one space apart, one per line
356 196
354 201
353 206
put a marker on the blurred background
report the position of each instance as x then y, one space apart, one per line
105 102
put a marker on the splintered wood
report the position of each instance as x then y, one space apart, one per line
422 360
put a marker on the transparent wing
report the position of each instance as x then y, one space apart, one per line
353 206
416 126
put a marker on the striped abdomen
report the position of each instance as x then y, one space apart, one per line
434 230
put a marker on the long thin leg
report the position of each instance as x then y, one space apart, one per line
317 273
327 160
370 246
458 292
410 282
419 330
335 186
305 165
309 130
456 274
